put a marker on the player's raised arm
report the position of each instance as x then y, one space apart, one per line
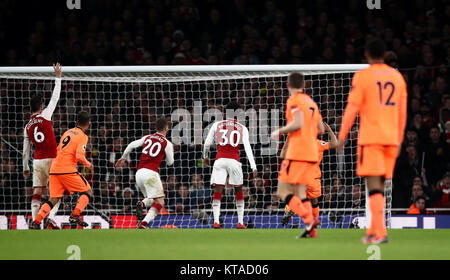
48 111
248 151
208 142
133 145
333 138
169 153
26 154
355 99
294 125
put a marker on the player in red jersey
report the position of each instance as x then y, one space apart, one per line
39 131
155 148
230 134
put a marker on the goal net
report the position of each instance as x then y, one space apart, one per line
126 101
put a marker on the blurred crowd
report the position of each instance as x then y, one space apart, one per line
188 32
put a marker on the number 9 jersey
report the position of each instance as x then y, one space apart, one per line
71 150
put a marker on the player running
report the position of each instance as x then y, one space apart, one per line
64 175
304 124
379 95
314 191
230 135
155 148
40 131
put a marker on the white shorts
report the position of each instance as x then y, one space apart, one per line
227 167
41 168
149 183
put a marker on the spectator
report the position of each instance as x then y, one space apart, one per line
200 191
443 192
418 207
184 203
417 191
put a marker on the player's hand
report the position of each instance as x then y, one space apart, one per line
26 174
121 162
57 68
91 168
206 162
327 127
255 173
275 135
340 146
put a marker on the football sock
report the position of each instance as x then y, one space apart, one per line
302 209
35 203
82 202
54 210
152 213
45 210
315 211
216 206
376 206
240 207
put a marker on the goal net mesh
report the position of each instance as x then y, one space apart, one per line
125 106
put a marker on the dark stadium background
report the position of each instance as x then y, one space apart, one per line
417 35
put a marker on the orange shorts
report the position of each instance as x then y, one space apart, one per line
297 172
72 182
376 160
314 190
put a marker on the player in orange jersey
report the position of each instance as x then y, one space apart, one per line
64 174
304 124
379 96
313 191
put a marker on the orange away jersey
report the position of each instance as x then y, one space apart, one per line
321 146
72 142
302 143
379 92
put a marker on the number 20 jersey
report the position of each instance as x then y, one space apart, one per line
153 152
41 133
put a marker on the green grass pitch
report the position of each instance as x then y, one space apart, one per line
226 244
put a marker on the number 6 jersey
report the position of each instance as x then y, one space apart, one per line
39 131
155 148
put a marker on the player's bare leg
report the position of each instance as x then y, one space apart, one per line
376 232
44 211
82 202
218 190
240 207
153 212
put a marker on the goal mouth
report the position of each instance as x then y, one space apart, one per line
125 102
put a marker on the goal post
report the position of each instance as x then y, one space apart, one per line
125 102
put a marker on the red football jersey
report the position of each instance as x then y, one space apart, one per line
40 132
229 135
153 152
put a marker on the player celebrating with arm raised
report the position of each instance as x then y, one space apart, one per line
304 124
64 175
39 131
379 95
155 148
230 134
313 192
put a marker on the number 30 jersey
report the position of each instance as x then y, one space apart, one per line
230 134
155 148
